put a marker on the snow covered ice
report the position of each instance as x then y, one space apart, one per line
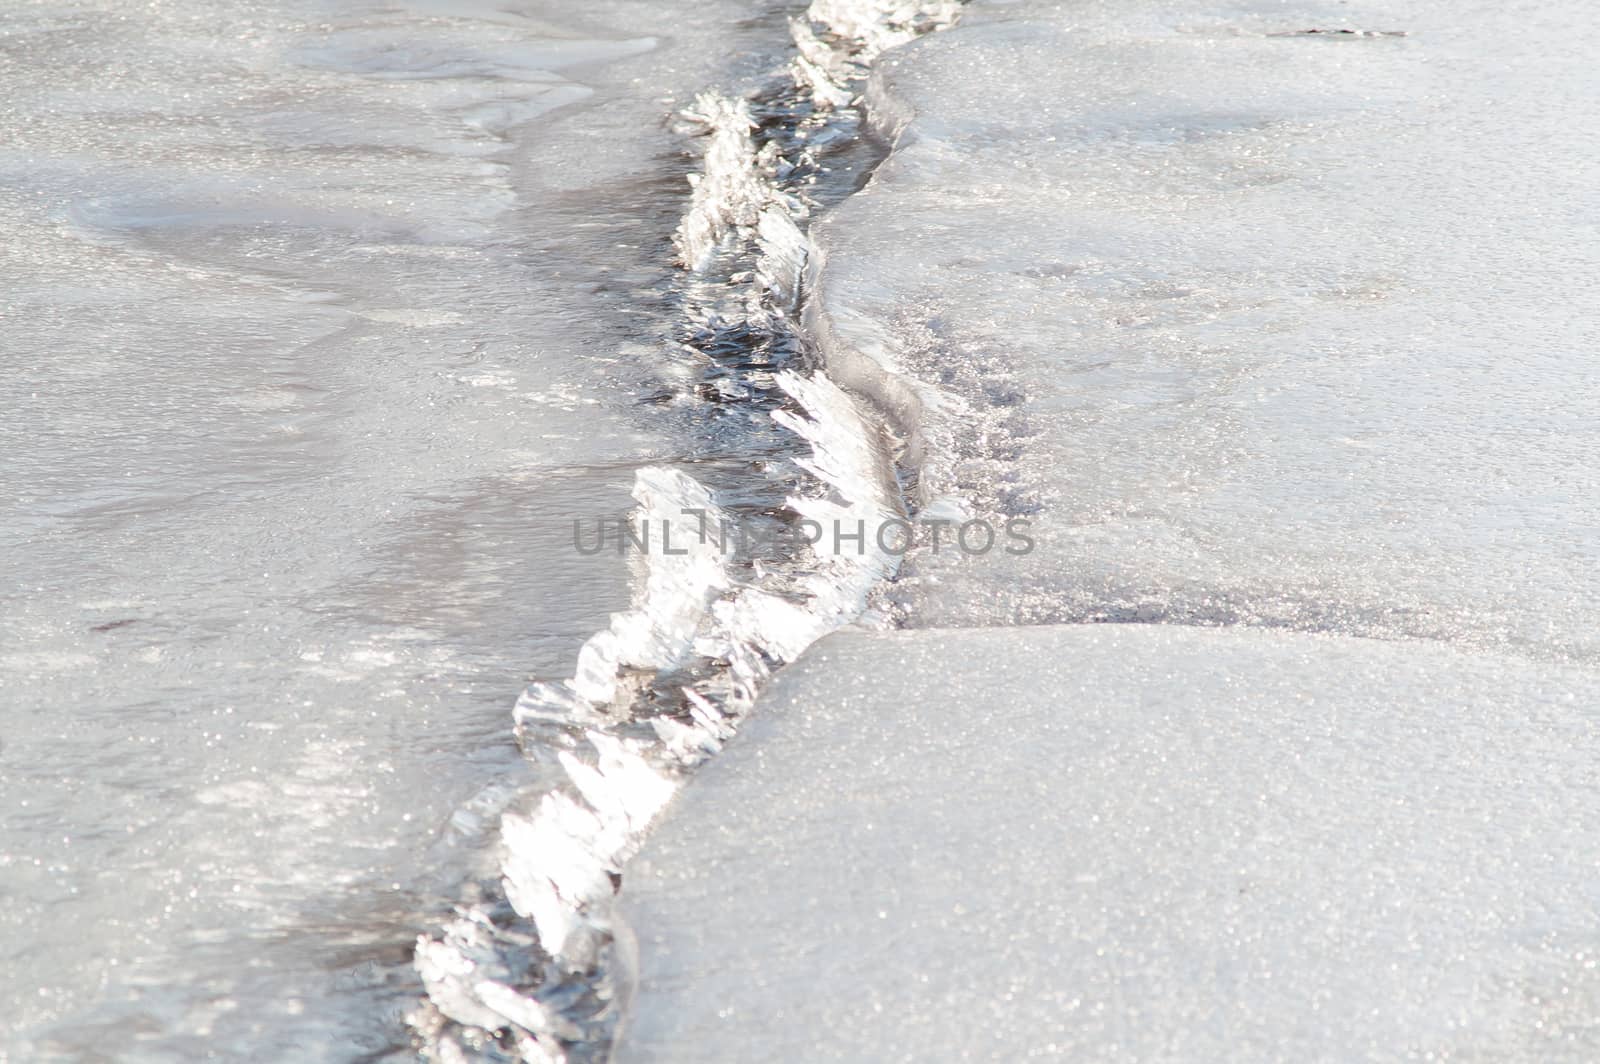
1281 744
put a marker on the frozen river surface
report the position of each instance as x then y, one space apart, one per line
320 322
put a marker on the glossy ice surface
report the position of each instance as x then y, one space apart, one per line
319 324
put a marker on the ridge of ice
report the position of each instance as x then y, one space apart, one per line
729 193
561 858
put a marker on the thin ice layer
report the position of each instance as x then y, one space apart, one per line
309 371
1131 843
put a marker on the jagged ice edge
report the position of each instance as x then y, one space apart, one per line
559 860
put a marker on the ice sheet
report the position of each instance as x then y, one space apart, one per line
1121 843
313 349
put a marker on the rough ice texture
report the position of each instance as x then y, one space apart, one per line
729 193
1281 330
1132 843
698 623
